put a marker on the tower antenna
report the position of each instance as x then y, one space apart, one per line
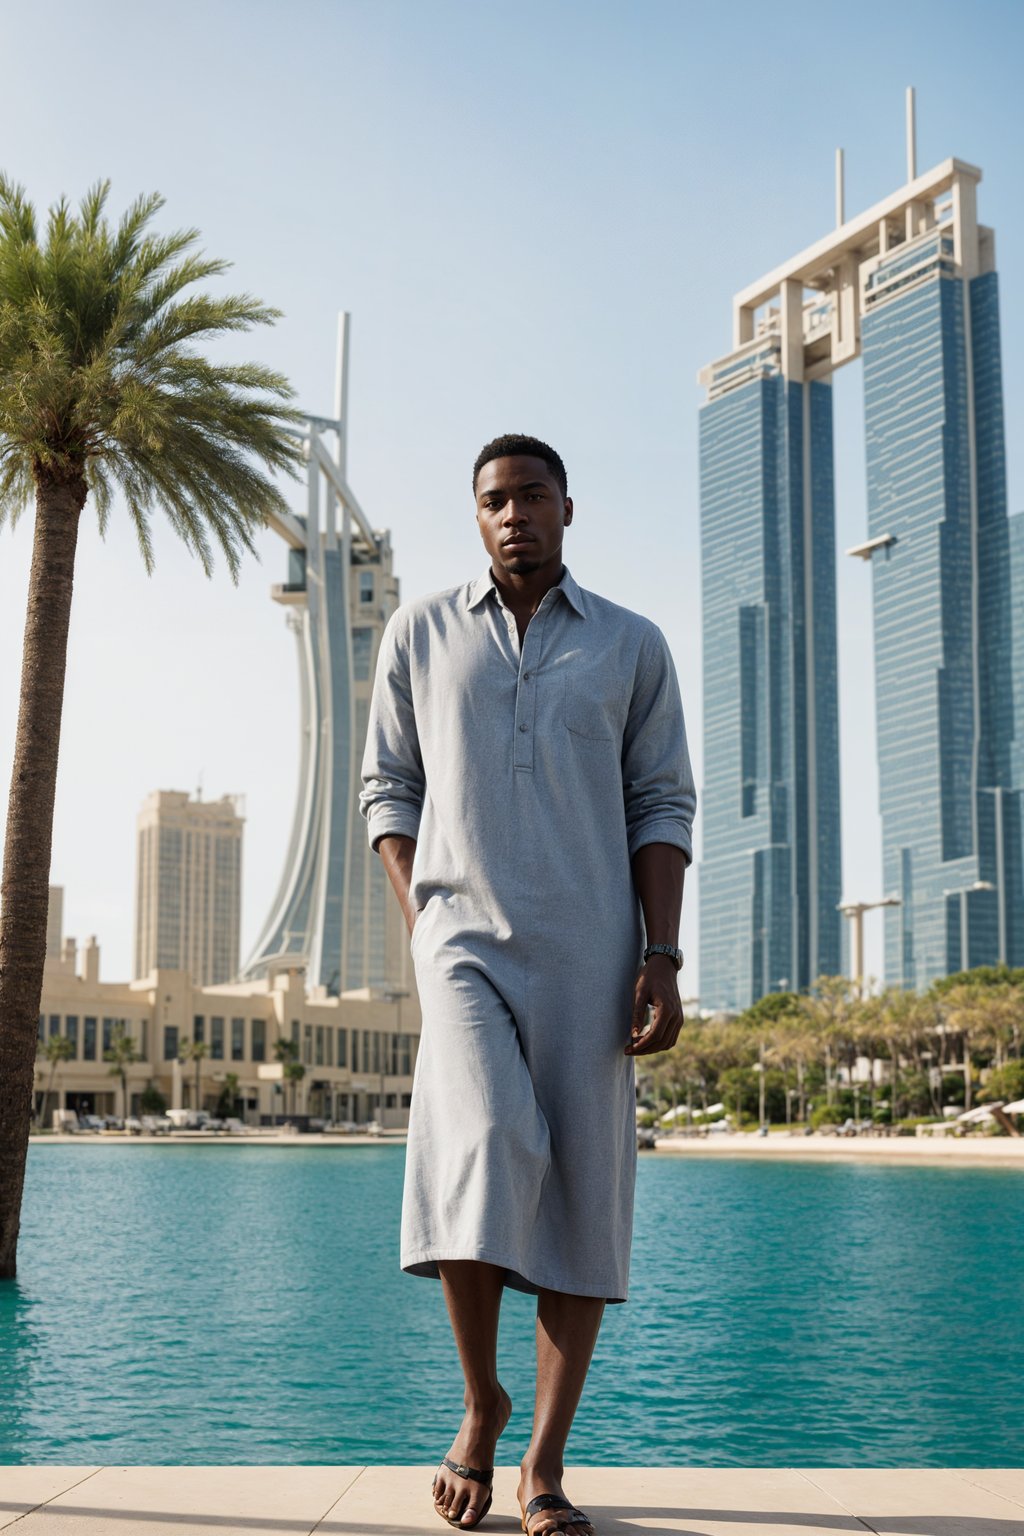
840 191
911 136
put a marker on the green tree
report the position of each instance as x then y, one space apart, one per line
1005 1083
104 386
152 1101
294 1072
56 1050
287 1053
197 1051
122 1054
228 1100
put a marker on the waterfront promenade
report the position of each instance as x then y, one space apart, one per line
394 1501
998 1151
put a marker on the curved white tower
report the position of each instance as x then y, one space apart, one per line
331 912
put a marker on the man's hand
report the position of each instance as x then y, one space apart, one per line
657 985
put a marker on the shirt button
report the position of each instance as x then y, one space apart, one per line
526 677
524 727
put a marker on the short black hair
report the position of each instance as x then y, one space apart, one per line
517 443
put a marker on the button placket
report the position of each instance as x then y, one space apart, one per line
526 696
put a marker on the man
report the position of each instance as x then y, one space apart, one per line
527 785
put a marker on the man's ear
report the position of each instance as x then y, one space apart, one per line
568 511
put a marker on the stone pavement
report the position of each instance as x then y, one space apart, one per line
395 1501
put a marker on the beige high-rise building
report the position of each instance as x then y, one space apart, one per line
54 922
188 891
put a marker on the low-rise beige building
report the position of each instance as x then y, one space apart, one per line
358 1050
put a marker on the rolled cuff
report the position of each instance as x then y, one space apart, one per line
391 821
670 830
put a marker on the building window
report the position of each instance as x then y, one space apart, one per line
362 646
170 1041
342 1052
295 1032
89 1042
355 1048
237 1039
71 1029
42 1026
307 1045
259 1039
198 1027
216 1039
108 1034
329 1044
54 1024
366 586
319 1059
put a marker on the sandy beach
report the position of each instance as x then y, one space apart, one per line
998 1151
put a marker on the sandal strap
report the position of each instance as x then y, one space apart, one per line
477 1474
544 1501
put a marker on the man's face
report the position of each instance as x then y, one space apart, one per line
521 513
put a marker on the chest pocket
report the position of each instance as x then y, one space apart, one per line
591 711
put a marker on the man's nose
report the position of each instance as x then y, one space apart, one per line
515 514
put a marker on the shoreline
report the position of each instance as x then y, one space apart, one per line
993 1151
273 1138
996 1151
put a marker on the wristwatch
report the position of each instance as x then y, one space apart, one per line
675 955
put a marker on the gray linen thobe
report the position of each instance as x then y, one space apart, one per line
529 777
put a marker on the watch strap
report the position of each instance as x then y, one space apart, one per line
675 955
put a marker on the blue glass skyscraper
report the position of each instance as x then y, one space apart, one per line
771 870
911 285
949 793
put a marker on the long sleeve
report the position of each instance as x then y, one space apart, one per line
657 781
392 773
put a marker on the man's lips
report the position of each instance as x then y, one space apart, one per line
514 543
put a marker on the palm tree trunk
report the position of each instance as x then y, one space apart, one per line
24 885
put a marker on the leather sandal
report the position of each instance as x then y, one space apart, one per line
542 1501
477 1476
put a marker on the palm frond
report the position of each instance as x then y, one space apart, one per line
104 376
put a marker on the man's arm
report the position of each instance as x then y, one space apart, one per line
396 854
392 772
659 870
660 801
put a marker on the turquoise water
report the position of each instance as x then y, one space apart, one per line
213 1304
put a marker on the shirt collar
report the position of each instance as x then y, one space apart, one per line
484 585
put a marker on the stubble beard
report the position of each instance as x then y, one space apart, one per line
521 565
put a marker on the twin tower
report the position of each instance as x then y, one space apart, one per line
910 286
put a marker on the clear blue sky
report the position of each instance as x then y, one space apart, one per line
538 214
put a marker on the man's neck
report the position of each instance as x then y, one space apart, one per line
524 593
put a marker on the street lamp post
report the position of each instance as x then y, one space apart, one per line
855 910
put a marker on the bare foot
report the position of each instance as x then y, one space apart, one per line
460 1499
534 1480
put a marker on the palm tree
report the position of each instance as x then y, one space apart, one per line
56 1050
122 1054
294 1072
195 1050
287 1053
229 1093
103 386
